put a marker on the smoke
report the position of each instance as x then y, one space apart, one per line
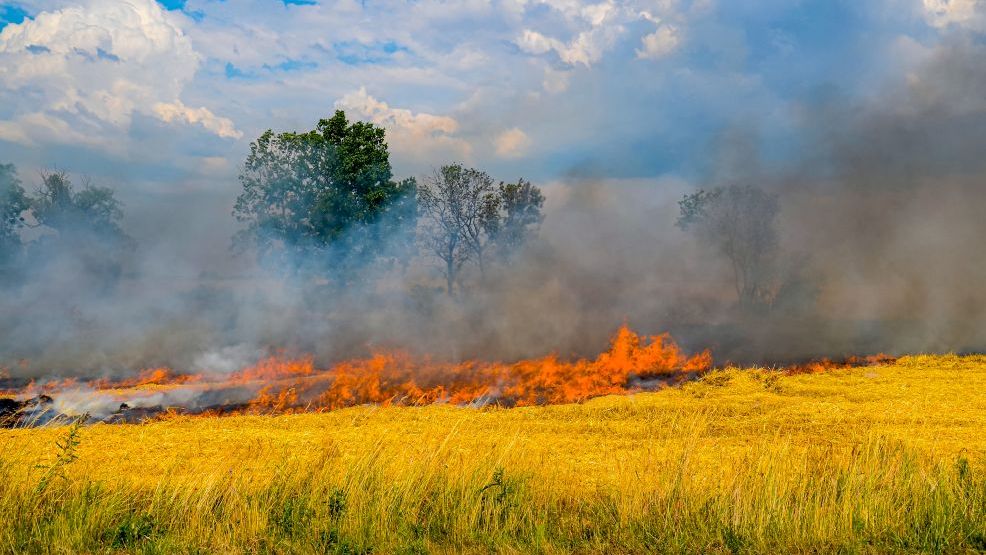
889 206
881 231
600 260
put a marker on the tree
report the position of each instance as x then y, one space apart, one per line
325 196
13 203
740 223
439 227
91 210
84 224
456 205
521 205
477 210
464 217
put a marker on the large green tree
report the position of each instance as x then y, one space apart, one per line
324 199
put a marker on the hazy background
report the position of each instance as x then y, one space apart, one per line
868 121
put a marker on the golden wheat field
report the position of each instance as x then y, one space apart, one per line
872 459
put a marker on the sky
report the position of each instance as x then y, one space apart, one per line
167 95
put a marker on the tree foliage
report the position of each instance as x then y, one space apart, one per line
456 204
740 222
81 225
325 195
465 218
91 210
13 203
521 205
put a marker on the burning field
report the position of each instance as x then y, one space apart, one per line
279 384
883 457
512 276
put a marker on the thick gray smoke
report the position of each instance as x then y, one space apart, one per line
881 229
889 207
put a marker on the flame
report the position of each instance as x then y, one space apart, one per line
281 383
148 377
398 378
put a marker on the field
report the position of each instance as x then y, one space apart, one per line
870 459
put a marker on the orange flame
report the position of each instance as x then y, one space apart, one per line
149 377
288 384
396 377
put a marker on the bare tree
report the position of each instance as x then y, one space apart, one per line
449 203
740 223
465 217
479 215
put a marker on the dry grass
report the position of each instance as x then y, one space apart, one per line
876 459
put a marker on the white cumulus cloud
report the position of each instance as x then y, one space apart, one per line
82 72
660 43
419 136
586 48
177 111
512 143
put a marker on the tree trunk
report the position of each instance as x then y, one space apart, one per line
449 273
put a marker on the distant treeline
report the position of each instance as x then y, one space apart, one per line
324 204
83 220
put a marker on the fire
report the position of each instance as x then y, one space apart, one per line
281 383
277 367
388 378
149 377
398 378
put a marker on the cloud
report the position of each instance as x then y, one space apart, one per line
410 134
586 48
512 143
970 14
555 81
214 165
176 111
580 11
599 26
660 43
91 68
11 132
602 25
132 83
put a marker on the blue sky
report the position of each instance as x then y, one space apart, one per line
168 94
